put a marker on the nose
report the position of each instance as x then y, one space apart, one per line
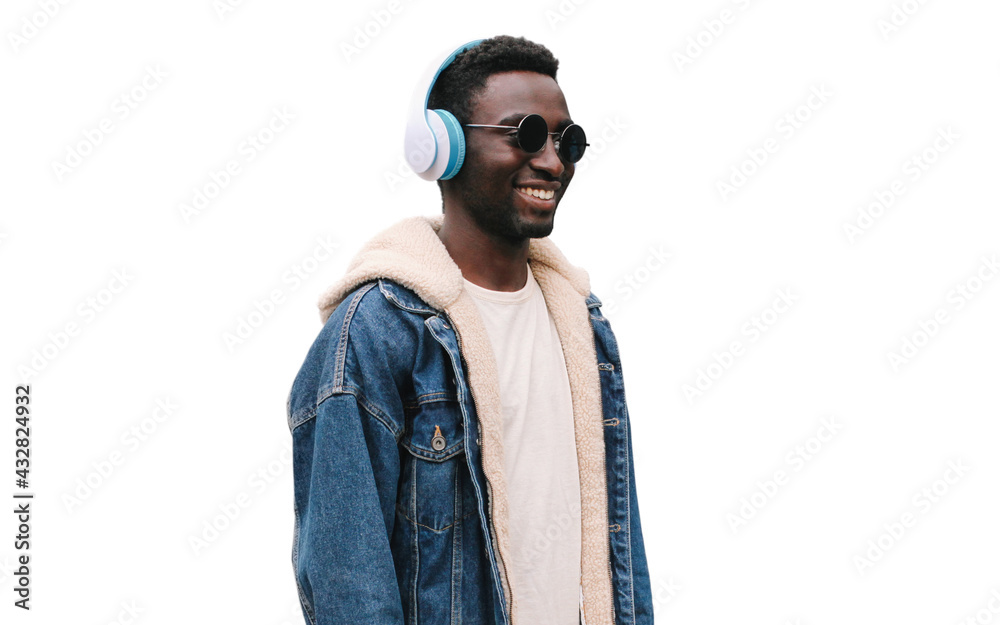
547 159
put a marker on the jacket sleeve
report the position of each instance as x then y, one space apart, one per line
346 467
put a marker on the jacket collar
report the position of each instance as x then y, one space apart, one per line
411 254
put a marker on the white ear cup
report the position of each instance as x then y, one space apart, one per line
420 144
442 146
434 145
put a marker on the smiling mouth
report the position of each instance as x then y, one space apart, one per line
541 194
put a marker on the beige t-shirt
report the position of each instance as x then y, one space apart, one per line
543 480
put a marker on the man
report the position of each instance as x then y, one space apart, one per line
461 441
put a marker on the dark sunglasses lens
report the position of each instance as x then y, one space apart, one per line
573 143
532 133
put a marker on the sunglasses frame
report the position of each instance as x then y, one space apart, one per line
557 141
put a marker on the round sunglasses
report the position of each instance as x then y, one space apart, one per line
533 132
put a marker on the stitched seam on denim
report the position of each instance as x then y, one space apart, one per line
434 529
338 371
366 406
414 601
612 344
310 614
456 548
628 506
300 419
380 415
623 479
628 489
429 398
434 396
441 456
389 295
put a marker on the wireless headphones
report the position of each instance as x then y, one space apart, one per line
435 144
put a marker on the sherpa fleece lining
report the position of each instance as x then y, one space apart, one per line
411 254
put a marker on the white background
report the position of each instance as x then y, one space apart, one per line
723 544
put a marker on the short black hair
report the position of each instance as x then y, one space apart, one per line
465 78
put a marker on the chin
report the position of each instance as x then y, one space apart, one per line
538 230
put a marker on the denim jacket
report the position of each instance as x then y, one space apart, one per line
400 500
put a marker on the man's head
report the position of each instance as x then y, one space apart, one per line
458 86
506 191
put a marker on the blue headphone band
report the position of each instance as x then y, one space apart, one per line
448 61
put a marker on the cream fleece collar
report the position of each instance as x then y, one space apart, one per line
411 254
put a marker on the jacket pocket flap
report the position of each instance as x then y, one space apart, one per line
434 430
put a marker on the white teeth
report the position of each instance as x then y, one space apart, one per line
541 194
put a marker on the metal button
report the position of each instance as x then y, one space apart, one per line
437 443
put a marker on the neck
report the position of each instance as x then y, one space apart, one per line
493 262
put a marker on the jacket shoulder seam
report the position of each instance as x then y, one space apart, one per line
427 309
341 356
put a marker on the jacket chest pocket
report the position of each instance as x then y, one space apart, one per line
434 485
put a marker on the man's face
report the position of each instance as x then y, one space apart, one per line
494 181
